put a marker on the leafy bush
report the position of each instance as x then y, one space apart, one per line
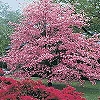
34 90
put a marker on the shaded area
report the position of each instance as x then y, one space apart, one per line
3 65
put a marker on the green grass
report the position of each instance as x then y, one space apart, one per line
91 92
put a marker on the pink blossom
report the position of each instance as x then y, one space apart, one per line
44 43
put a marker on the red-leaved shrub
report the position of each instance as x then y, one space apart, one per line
11 89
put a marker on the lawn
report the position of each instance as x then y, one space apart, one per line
91 92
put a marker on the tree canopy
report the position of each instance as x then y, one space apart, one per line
91 8
44 43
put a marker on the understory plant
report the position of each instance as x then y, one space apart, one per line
28 89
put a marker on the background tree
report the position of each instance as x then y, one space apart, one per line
91 9
44 44
6 15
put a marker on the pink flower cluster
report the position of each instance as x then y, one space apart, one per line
34 90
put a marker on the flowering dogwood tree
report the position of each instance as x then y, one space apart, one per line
44 44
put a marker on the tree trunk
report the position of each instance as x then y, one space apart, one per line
49 84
